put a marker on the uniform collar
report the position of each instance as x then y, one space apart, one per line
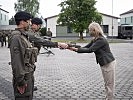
23 32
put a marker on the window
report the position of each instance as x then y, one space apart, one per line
69 29
131 19
105 28
125 20
128 28
5 17
1 16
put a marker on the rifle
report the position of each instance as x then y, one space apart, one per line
71 44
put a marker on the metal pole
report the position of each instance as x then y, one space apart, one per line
112 20
0 14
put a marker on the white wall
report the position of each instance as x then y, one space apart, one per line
108 21
3 21
51 23
126 19
126 15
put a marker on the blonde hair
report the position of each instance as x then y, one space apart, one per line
98 30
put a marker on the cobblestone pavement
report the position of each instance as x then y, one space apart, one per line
71 76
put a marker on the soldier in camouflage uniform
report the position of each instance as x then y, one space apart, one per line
23 57
1 38
36 40
34 36
49 33
35 27
4 38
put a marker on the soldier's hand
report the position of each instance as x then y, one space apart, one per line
21 89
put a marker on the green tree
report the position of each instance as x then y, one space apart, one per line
43 31
78 14
31 6
12 21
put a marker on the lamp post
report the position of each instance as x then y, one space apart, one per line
0 14
112 20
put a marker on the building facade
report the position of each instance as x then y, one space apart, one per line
109 25
4 17
127 18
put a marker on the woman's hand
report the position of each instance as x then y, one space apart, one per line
73 49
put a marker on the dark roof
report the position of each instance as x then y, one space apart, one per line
51 17
110 16
100 13
130 11
4 10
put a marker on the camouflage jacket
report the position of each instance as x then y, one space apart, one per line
23 57
35 37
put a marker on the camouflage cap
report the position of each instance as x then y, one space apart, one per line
37 21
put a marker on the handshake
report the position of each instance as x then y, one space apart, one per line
72 47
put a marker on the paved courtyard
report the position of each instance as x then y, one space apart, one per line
71 76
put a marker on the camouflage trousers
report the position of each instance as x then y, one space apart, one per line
28 95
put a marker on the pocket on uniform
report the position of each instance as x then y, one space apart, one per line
27 56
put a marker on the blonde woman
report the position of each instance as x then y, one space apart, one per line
100 46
